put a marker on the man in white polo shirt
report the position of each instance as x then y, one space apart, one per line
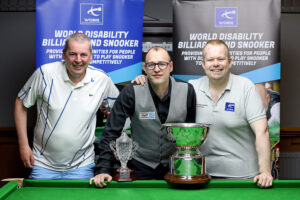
238 143
68 95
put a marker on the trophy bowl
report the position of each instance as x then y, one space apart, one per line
187 165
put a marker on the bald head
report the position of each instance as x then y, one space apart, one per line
158 49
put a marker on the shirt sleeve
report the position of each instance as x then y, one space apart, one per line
112 93
123 108
32 89
253 105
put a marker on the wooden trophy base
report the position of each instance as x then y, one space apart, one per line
124 175
187 181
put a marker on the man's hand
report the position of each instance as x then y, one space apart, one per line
263 180
105 111
99 180
140 80
27 156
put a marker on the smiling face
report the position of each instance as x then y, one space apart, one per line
156 75
77 58
216 62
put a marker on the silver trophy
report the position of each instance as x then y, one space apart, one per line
123 149
187 165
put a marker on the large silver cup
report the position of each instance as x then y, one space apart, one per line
187 165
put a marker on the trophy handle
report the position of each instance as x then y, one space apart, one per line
112 146
135 146
170 135
205 133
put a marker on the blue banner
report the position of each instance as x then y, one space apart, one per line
114 26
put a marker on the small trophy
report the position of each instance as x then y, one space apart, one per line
123 149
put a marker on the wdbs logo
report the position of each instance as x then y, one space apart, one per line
229 106
226 17
91 14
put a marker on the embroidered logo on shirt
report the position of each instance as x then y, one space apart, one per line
229 106
147 115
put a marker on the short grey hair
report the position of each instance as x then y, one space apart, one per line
80 37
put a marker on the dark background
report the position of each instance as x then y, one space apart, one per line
17 51
17 63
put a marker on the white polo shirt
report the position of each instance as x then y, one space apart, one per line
230 145
66 118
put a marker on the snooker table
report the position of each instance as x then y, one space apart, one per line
148 189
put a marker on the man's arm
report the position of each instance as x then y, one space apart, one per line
260 128
122 109
21 126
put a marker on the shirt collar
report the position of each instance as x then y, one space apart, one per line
87 78
205 86
229 84
155 95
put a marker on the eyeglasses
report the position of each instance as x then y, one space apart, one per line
161 65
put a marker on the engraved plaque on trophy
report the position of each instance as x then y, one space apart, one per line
123 149
187 165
